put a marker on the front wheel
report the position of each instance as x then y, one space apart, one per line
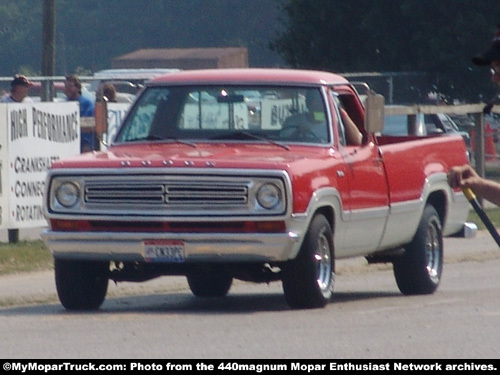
81 285
308 279
419 270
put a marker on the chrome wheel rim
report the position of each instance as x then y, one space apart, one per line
433 250
322 257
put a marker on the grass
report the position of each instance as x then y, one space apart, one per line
492 213
24 256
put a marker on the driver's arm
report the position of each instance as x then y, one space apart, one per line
353 136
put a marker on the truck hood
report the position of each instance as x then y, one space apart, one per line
197 155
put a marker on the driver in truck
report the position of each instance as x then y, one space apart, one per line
314 117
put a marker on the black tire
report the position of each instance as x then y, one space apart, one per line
81 285
309 278
209 282
419 270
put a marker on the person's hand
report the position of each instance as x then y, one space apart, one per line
463 176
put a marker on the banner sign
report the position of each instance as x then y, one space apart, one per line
275 111
116 114
32 137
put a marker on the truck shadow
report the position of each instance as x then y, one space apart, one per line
186 303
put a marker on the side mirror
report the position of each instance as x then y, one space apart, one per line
374 112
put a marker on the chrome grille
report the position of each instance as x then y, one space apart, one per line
120 193
206 195
165 193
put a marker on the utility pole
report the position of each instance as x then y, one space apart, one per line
48 48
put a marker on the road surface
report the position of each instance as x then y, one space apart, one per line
368 317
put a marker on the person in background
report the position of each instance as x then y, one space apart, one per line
19 90
465 176
73 91
109 92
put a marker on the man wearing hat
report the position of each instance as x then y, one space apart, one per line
19 89
465 176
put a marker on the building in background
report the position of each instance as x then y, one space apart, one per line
184 58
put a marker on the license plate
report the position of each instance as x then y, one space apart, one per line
163 251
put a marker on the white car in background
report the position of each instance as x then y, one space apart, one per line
425 124
127 82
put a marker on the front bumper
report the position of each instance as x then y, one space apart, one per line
198 247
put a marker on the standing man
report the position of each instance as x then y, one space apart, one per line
465 176
19 90
73 91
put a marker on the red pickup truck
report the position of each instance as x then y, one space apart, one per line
232 174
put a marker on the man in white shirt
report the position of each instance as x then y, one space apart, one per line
19 90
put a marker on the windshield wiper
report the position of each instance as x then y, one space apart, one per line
242 135
180 141
153 137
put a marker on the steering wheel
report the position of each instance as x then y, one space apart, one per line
299 132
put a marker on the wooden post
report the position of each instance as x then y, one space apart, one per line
13 235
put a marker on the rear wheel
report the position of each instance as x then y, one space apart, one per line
209 282
308 279
419 270
81 285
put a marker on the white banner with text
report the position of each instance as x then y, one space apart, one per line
32 137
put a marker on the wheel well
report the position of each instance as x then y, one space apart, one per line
327 212
438 200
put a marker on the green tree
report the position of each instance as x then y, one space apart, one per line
20 35
435 38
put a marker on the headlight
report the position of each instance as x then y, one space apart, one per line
67 194
269 196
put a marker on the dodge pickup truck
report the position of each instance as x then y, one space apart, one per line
218 175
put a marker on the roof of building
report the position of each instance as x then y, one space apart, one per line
181 53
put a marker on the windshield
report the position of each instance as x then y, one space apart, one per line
237 113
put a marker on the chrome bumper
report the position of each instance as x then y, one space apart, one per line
469 230
198 247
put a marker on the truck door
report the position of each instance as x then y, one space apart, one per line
368 198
